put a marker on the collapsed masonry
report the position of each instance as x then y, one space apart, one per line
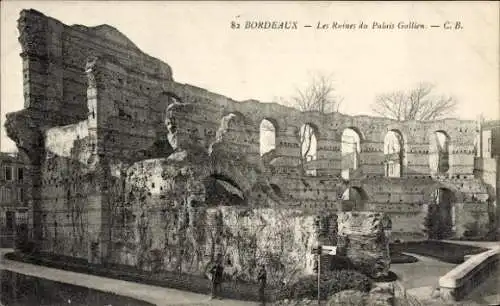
132 167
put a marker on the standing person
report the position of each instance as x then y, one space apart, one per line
262 278
216 273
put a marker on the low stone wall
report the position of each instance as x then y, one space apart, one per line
465 277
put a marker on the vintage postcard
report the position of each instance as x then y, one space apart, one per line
249 153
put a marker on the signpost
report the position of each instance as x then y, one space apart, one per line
322 250
329 249
318 252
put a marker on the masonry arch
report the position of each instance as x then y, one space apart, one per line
393 153
440 220
169 97
308 139
237 118
221 190
277 190
350 150
267 134
162 102
354 199
439 152
234 127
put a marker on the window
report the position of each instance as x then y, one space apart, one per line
10 217
489 145
7 173
3 196
6 194
21 217
20 174
20 194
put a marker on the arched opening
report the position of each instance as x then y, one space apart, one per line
222 191
350 148
267 137
440 220
308 148
393 153
353 199
161 104
232 127
169 98
439 152
277 190
235 118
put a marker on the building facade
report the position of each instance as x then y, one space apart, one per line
14 186
487 165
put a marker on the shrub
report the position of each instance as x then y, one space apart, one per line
335 262
331 283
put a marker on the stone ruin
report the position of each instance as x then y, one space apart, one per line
131 167
361 239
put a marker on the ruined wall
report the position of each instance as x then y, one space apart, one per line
161 221
59 107
416 135
54 57
404 198
96 106
70 201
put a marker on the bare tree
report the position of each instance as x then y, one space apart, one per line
318 96
307 141
418 103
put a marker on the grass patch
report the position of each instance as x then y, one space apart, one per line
444 251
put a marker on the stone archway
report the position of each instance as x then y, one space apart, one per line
267 136
350 150
308 137
354 199
394 153
439 155
222 191
440 219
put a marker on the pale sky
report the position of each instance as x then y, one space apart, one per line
196 39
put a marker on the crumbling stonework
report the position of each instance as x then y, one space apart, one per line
163 218
363 241
129 164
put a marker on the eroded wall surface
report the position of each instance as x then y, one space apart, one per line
115 141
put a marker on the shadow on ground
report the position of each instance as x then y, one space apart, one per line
19 289
391 277
443 251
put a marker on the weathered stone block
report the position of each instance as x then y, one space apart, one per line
348 298
382 294
362 240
